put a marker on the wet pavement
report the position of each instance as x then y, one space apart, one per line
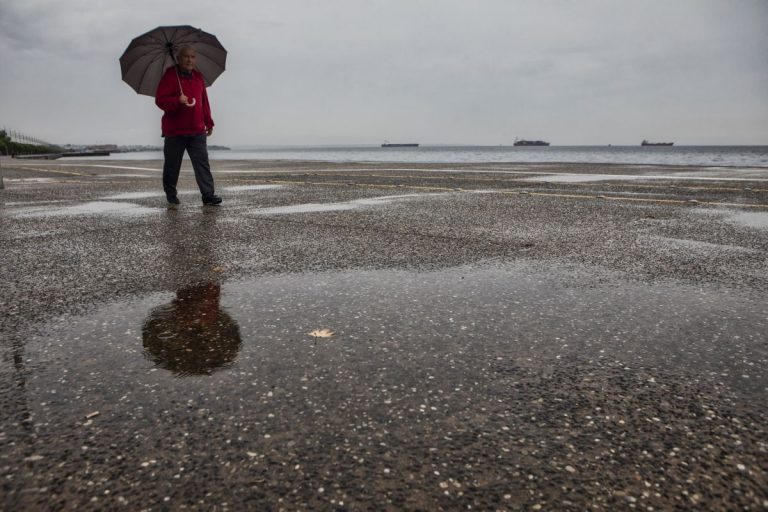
505 337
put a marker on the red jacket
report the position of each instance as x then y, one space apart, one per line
180 119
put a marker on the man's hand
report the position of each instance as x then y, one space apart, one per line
183 99
209 131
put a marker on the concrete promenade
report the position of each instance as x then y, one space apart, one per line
497 337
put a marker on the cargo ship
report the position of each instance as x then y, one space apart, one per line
646 143
401 145
521 142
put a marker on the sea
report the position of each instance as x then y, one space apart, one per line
725 156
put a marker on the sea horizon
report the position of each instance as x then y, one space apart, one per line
729 156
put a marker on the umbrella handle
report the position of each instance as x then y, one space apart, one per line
194 100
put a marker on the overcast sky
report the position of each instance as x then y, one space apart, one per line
428 71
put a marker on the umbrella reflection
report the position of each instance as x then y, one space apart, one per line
192 335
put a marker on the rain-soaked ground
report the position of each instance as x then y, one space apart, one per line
504 337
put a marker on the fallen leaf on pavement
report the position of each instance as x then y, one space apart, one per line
322 333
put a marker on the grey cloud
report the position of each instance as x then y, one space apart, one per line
345 71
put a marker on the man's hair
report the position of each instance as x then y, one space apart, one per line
181 49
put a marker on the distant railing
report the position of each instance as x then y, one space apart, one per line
23 138
14 143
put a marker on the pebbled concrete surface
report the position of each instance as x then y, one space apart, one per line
506 336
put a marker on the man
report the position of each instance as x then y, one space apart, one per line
186 124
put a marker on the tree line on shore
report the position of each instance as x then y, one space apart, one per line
9 147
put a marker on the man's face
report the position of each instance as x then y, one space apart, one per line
187 59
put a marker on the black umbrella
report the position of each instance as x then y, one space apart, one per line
149 55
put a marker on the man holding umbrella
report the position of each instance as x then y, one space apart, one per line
186 123
175 64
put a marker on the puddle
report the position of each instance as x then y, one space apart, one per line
757 220
23 203
147 194
155 193
108 176
304 208
89 208
241 188
29 180
105 166
408 321
240 171
335 207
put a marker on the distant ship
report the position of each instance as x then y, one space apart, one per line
406 145
520 142
646 143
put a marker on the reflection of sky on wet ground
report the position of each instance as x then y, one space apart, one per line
29 180
159 193
110 176
682 176
750 219
87 208
340 206
147 194
243 188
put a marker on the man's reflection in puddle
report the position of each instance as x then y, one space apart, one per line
191 246
192 335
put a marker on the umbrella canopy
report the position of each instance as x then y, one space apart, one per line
149 55
192 335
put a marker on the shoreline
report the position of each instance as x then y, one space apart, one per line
86 161
730 156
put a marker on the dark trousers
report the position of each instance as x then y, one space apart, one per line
197 149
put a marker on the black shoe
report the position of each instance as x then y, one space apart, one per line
173 200
212 200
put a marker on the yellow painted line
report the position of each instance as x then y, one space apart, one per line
552 194
737 205
604 177
646 200
693 202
